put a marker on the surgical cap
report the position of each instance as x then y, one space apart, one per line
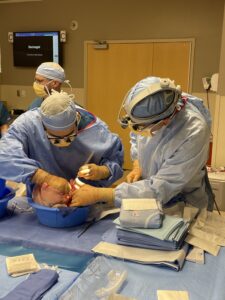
156 106
58 111
51 70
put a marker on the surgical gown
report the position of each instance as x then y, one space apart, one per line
35 103
173 160
4 115
26 147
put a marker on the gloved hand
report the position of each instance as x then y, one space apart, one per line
59 183
135 174
49 196
93 172
87 195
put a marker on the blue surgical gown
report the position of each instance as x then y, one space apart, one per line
25 147
173 160
35 103
4 115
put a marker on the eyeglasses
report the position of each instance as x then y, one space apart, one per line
64 141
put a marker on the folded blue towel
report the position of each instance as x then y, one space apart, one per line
168 231
141 213
34 286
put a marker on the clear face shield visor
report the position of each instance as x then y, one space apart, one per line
146 112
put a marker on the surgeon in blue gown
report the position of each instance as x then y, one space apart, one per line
4 119
48 76
49 145
170 133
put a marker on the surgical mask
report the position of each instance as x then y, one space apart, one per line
62 141
40 89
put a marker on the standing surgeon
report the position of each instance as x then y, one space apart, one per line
49 76
4 119
47 146
170 133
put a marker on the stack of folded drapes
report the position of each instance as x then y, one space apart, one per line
169 237
142 224
145 234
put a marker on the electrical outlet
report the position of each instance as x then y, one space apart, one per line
23 93
206 81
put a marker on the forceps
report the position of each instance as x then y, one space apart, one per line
88 224
73 182
89 158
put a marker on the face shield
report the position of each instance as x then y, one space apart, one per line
144 110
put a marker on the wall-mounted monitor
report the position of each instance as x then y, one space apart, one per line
30 49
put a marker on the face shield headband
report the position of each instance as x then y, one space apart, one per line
165 87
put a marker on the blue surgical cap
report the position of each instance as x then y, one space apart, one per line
156 106
51 70
58 111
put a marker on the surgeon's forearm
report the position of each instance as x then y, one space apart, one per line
106 195
116 172
136 164
104 171
59 183
88 195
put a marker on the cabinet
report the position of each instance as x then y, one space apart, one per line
217 181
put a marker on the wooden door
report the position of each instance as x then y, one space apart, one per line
173 60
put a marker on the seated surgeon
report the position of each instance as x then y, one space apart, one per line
4 119
48 76
170 133
48 145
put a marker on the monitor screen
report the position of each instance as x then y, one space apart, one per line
30 49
